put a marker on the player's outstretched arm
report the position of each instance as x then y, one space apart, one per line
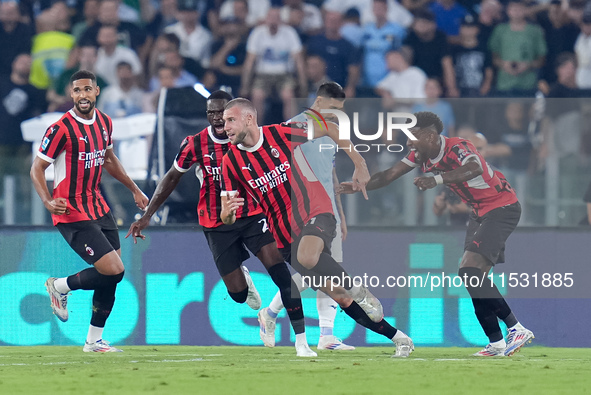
115 168
381 179
163 190
361 174
230 204
57 206
466 172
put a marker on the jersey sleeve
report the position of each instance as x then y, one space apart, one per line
296 132
410 159
109 132
461 152
53 143
229 184
186 156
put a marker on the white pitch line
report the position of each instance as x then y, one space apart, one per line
171 360
451 359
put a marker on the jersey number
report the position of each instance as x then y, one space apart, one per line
265 226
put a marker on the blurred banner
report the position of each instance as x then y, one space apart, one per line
172 293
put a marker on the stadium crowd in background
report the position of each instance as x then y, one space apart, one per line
273 51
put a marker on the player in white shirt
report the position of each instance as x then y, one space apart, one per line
330 95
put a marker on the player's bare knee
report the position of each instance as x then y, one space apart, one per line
308 259
235 281
270 256
110 264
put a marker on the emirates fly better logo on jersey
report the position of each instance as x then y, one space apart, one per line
272 178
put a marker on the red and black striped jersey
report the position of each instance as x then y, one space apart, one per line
484 193
77 149
279 178
207 151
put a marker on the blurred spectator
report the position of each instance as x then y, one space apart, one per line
316 74
166 42
195 39
257 11
518 50
509 141
403 81
165 17
182 78
139 12
447 200
123 99
110 55
166 80
395 12
51 48
576 9
19 101
583 51
378 39
340 55
472 61
59 94
435 104
128 34
212 14
304 17
449 16
413 5
229 54
561 35
351 29
91 13
431 50
566 71
169 42
490 15
15 37
272 51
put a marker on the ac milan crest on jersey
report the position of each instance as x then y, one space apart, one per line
89 250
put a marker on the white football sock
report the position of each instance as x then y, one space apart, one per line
276 304
517 326
301 338
327 310
94 333
500 344
399 335
61 285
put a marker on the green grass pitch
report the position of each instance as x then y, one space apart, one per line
259 370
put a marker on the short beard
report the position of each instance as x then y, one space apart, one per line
240 138
90 108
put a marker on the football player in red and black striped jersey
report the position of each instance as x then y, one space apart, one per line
79 145
228 243
495 214
265 162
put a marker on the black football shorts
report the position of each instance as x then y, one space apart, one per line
92 239
229 243
487 234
